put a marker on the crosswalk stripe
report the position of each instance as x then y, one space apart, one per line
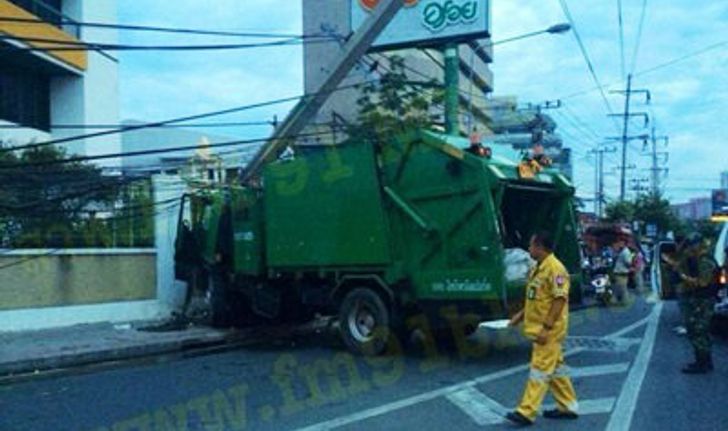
486 411
599 370
591 407
482 409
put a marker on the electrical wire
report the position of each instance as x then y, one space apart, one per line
156 29
118 125
652 69
643 13
621 38
61 46
585 54
178 120
145 152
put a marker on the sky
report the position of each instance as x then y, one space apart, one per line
689 97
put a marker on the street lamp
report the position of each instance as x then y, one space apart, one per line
554 29
451 71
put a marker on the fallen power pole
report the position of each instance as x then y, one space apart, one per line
357 45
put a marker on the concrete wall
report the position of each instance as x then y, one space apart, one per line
52 278
42 289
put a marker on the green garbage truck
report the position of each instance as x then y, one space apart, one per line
388 236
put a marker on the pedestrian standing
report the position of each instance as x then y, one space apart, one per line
622 266
638 269
545 320
697 272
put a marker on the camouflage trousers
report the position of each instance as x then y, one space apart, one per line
698 314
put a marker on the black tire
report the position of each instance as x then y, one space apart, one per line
366 323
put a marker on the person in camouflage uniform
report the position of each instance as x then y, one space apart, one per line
696 271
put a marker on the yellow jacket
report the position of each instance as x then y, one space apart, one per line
547 281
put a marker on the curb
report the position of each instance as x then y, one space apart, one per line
89 357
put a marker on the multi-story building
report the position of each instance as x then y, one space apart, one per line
696 209
52 94
323 17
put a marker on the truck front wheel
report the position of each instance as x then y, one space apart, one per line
366 322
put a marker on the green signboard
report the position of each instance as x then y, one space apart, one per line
428 22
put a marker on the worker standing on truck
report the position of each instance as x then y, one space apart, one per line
546 319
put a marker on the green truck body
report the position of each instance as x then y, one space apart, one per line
412 227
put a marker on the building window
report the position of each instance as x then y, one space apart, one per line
47 10
25 98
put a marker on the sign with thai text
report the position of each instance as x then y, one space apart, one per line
428 22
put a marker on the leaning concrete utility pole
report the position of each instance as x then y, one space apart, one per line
309 105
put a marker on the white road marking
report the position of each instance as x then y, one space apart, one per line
483 410
624 410
427 396
599 406
599 370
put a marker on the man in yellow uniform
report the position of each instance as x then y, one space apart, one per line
546 319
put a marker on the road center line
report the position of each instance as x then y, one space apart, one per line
427 396
624 410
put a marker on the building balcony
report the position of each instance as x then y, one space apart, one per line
38 39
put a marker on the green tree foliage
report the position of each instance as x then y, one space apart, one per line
395 103
47 202
647 209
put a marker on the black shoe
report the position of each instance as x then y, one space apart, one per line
558 414
519 419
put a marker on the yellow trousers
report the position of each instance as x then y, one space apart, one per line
548 371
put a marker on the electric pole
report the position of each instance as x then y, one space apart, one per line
626 138
659 159
599 198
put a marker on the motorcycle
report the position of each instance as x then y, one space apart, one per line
599 281
602 286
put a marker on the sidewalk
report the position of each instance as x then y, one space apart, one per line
37 351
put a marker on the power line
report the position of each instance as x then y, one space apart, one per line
639 36
178 120
655 68
585 54
157 29
118 125
144 152
621 37
681 59
57 46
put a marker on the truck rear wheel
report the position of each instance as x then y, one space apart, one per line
366 322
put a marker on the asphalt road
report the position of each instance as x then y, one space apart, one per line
625 360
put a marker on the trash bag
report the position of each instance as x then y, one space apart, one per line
517 264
